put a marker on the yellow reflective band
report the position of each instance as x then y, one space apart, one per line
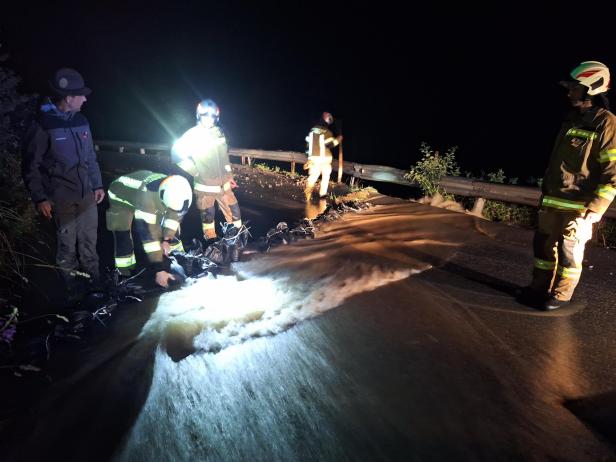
177 246
570 273
153 246
171 224
209 226
607 155
606 191
154 177
114 197
125 262
149 218
545 264
582 133
130 182
207 188
212 189
237 223
564 204
228 168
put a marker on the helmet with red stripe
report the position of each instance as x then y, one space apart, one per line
593 75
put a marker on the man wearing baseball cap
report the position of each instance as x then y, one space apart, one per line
63 178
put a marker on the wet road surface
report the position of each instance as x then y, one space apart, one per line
399 339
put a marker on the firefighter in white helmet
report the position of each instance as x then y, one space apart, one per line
578 187
320 141
154 204
202 153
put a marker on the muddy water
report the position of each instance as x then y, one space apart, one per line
373 342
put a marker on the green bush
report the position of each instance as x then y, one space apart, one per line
429 170
510 213
17 220
606 233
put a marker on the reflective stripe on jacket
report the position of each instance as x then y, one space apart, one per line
320 140
139 192
203 153
581 173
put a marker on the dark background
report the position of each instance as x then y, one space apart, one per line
484 79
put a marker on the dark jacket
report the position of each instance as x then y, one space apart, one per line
581 174
59 161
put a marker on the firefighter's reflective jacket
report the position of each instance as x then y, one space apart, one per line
320 141
135 196
581 174
202 152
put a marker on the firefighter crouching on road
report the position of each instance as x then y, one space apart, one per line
154 204
320 141
202 153
578 187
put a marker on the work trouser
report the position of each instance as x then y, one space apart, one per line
76 231
120 220
318 166
558 245
206 204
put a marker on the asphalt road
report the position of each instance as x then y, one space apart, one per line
415 350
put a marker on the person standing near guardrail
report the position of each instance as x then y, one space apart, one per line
63 178
320 141
202 153
578 187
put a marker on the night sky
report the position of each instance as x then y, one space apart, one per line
483 79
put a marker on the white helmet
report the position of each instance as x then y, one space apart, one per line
208 108
175 193
593 75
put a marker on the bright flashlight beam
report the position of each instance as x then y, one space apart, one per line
155 114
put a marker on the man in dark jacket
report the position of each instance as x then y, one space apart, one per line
62 175
578 187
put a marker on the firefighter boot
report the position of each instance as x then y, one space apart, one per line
553 304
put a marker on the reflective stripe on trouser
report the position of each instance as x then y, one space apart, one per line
558 245
123 250
176 244
76 232
227 203
151 235
319 166
119 220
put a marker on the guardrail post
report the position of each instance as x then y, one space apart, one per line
480 202
293 168
352 181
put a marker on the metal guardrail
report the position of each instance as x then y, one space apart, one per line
481 190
